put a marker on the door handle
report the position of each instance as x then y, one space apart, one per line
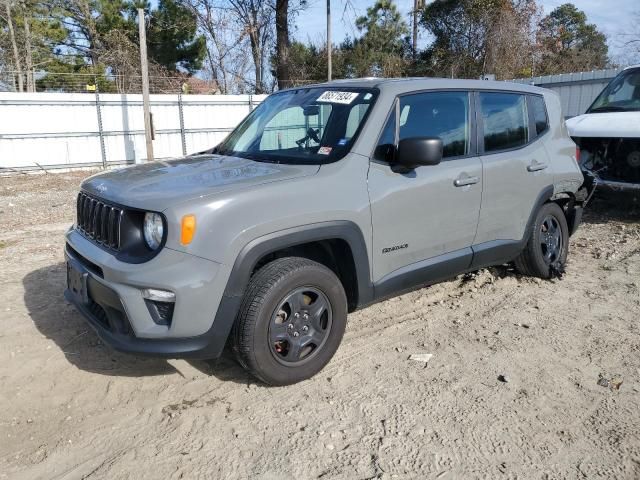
464 181
535 166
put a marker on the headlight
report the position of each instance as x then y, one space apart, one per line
153 230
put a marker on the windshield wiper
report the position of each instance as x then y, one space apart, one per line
609 108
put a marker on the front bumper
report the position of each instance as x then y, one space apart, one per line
114 306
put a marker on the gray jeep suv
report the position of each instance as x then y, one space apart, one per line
325 199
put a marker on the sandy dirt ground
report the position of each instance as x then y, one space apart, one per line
72 408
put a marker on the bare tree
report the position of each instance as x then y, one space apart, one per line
14 46
629 42
28 51
255 17
229 60
511 43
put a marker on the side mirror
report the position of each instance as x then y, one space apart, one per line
417 151
311 110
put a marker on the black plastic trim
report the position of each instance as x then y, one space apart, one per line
251 254
423 273
574 218
533 131
133 250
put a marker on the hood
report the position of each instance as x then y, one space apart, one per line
605 124
158 185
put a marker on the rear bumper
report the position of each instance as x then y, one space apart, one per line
114 306
596 182
617 186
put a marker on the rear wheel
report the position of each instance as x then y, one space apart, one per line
546 251
291 321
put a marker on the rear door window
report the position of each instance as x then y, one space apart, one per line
505 121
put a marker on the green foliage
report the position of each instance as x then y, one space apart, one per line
78 39
570 43
69 39
383 49
172 39
74 77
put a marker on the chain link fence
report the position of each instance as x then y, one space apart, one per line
87 82
83 82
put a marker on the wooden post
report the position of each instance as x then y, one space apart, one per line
145 85
414 43
328 40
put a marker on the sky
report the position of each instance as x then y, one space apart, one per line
612 17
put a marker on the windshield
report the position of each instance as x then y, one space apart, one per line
306 125
622 94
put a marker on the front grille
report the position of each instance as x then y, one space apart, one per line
99 221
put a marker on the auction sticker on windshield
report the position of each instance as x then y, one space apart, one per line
332 96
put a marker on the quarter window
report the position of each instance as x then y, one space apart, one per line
539 114
386 145
504 119
437 114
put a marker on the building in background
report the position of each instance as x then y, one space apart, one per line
577 90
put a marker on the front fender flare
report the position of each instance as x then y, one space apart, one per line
256 249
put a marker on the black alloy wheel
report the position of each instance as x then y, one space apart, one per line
300 325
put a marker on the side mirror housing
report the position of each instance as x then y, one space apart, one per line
418 151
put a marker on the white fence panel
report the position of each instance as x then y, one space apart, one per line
57 130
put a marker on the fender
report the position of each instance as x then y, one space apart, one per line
348 231
256 249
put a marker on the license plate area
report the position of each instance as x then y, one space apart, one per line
77 283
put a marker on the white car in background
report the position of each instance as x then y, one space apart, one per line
608 134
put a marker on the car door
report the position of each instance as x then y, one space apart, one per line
516 167
424 220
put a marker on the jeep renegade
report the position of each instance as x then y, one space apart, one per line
325 199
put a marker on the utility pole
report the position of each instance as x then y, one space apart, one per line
414 43
417 5
145 84
328 40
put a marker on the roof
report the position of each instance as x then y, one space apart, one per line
402 85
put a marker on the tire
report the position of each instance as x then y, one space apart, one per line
545 254
274 344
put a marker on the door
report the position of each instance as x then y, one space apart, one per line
429 215
516 167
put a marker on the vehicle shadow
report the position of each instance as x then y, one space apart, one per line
59 321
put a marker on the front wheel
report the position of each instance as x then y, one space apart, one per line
546 251
291 321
